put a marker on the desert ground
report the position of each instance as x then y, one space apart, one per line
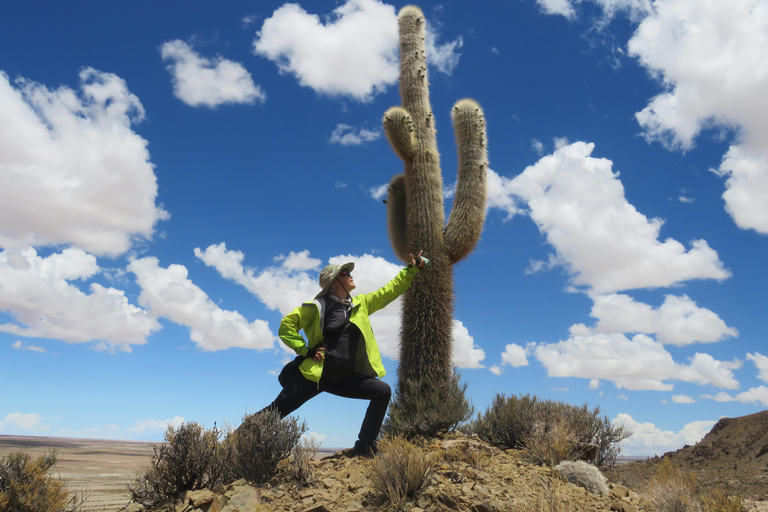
102 469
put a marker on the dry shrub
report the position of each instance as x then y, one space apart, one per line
300 469
260 443
26 485
550 431
191 458
672 490
427 408
462 456
400 470
550 443
551 498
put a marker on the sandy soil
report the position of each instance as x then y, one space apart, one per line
102 469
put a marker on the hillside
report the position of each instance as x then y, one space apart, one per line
733 455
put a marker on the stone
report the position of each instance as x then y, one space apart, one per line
317 508
245 498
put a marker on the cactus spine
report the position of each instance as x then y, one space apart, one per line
416 218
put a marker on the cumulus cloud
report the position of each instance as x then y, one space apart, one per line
346 135
280 287
648 439
168 293
678 321
557 7
379 192
72 171
640 363
514 355
465 353
578 202
285 286
199 81
18 422
761 363
683 399
352 52
40 295
758 395
710 60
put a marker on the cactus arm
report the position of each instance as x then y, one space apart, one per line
397 218
465 222
398 126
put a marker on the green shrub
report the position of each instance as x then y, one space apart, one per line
259 443
427 408
400 470
191 458
27 486
550 431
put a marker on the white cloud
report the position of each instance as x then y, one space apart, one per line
557 7
72 171
683 399
679 321
282 287
465 353
18 422
604 242
710 59
39 294
170 294
153 427
637 364
346 135
380 191
198 81
647 439
500 194
496 370
20 346
761 363
443 57
514 355
758 395
352 52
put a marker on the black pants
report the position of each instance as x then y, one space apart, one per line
298 390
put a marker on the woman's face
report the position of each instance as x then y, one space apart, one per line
347 281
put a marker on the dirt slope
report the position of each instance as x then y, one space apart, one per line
733 455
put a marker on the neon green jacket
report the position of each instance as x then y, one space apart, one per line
309 317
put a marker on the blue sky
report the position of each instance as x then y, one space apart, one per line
174 175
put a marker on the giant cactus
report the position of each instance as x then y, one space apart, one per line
416 216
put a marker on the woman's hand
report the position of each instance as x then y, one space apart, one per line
319 355
418 260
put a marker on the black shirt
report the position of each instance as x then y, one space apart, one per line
341 338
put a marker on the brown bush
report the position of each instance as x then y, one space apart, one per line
26 485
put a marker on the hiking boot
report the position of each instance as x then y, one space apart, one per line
363 449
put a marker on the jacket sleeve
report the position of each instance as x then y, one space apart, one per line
290 326
383 296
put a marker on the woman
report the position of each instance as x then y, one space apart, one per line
341 353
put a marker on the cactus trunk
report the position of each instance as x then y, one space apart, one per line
416 216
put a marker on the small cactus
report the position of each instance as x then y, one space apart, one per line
584 475
416 218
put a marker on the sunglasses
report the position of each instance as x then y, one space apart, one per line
345 273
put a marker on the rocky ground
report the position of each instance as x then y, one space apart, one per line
494 480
